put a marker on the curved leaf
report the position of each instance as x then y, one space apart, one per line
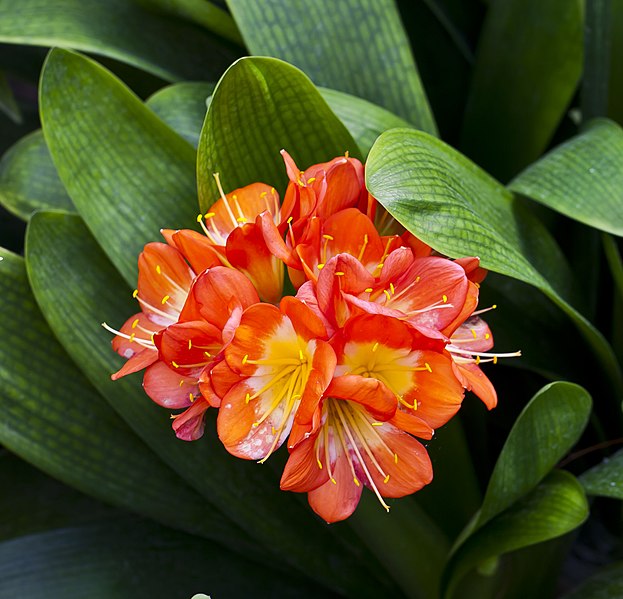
528 64
547 428
60 249
127 173
365 121
119 29
8 104
28 178
454 206
356 46
260 106
202 12
582 178
126 558
605 479
183 107
557 506
60 423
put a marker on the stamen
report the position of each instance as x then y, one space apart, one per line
143 342
224 198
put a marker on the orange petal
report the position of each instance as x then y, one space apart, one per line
475 380
197 249
168 388
302 472
190 424
369 392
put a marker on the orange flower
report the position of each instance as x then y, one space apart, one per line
276 360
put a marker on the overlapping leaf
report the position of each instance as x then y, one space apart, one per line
605 479
527 67
54 418
183 107
128 174
260 106
355 46
557 506
8 104
454 206
582 178
28 178
59 248
119 29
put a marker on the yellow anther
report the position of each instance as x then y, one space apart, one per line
209 214
329 237
388 295
346 154
272 430
272 190
246 357
339 273
263 194
392 289
255 424
247 398
135 323
290 219
311 180
395 458
368 290
375 346
380 265
165 299
181 382
356 481
132 337
333 481
152 337
377 424
191 397
301 356
241 219
175 364
190 344
386 479
417 279
235 197
158 269
495 359
477 359
207 354
135 293
474 333
320 266
427 366
199 217
487 336
319 464
444 298
494 306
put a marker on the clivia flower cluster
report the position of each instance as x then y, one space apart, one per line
376 348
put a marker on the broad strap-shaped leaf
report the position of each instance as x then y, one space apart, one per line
128 174
260 106
28 178
547 428
364 120
457 208
65 261
605 479
183 107
355 46
8 104
128 557
53 418
615 83
607 583
119 29
202 12
557 506
528 64
582 178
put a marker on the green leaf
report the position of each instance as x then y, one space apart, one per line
454 206
8 104
365 121
183 107
37 502
202 12
128 174
582 178
126 558
522 82
605 479
557 506
356 46
547 428
615 85
606 584
119 29
62 425
64 261
28 178
260 106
